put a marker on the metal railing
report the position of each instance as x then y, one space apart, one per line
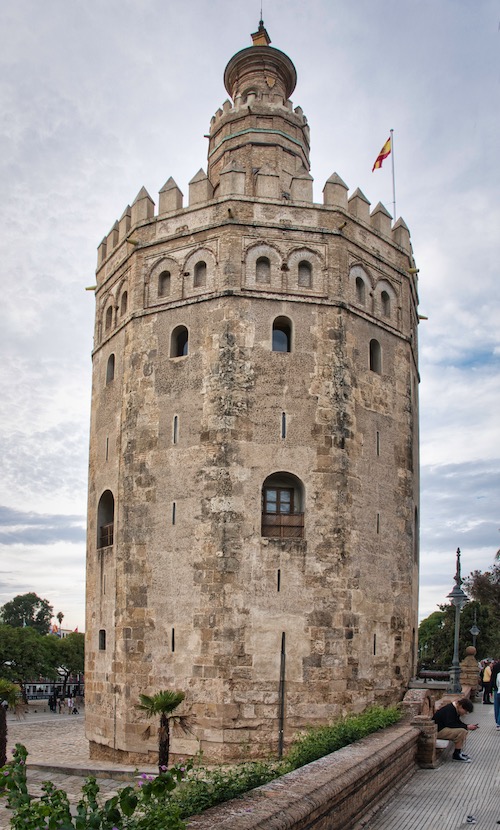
283 525
106 535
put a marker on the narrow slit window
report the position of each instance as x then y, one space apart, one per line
107 448
172 639
174 511
102 639
110 369
360 290
164 284
386 304
124 303
278 580
200 274
109 318
305 274
175 430
375 357
263 270
283 425
378 522
374 644
378 442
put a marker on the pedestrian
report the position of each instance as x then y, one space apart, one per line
487 683
495 669
452 728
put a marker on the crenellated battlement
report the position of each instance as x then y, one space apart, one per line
254 443
233 181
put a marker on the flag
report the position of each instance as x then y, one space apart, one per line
385 151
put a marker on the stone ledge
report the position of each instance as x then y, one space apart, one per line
329 794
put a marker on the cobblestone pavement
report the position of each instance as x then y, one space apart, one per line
439 799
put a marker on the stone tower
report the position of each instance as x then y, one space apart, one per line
253 486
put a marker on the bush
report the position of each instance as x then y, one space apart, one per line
163 801
322 740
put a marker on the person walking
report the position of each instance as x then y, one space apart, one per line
487 683
452 728
495 669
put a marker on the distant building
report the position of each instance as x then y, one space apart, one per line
254 473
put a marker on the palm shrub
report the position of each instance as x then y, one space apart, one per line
163 704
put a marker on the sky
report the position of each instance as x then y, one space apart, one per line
101 97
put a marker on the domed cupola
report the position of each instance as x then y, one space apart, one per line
260 129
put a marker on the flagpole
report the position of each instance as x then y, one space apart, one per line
393 176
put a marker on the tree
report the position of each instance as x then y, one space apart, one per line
60 617
70 655
8 699
26 655
163 704
27 611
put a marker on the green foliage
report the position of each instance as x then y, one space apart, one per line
161 703
158 802
8 694
322 740
70 655
149 806
24 653
206 788
27 610
436 633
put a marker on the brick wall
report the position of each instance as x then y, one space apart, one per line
335 793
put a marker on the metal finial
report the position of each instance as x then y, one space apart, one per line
458 578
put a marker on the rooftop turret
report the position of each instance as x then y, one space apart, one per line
259 129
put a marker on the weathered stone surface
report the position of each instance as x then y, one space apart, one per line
193 592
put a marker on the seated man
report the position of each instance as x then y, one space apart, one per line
451 728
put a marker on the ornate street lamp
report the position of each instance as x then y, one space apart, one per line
474 630
458 599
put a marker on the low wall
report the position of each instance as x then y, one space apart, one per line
337 792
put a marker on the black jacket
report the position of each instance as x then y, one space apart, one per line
447 718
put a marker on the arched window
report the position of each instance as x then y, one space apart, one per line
385 301
110 369
282 335
305 274
263 270
375 357
109 318
360 290
105 520
283 507
179 342
200 274
124 303
164 284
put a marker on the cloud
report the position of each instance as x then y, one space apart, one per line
18 528
97 100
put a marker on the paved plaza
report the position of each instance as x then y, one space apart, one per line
439 799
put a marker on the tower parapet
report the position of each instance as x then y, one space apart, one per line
254 443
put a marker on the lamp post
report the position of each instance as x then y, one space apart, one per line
458 599
474 630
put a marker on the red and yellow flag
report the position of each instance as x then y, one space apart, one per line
385 151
